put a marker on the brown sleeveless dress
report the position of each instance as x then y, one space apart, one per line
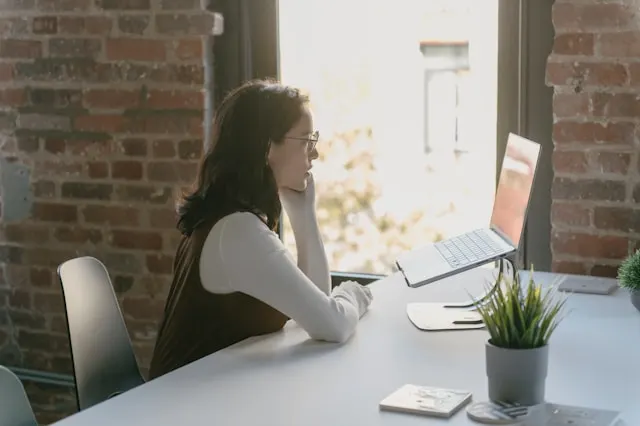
197 323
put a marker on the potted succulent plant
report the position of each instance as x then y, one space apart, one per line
629 277
520 321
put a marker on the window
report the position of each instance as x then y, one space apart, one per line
408 127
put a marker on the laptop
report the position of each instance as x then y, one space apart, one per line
480 246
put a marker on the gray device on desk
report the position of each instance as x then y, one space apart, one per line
586 284
500 239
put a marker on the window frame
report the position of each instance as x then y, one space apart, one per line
525 106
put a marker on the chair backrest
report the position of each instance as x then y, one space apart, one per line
15 409
103 360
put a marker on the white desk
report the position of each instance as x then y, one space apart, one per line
285 379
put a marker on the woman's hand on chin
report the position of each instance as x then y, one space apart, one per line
294 200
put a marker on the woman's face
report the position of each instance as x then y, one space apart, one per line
291 159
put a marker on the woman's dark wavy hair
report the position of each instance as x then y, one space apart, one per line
233 173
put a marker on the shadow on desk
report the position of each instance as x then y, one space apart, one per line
277 347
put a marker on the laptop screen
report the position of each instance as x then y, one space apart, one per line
514 188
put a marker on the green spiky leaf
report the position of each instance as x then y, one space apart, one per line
520 318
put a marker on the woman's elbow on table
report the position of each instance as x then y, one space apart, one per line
338 328
337 335
347 305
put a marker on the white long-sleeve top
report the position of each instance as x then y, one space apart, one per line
241 254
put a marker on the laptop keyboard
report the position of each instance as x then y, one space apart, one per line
467 248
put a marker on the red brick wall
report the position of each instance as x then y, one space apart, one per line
100 121
596 190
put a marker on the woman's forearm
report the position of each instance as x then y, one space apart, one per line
312 258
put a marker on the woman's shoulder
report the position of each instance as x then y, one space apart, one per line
232 240
241 221
240 229
235 239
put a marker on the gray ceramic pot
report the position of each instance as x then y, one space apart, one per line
635 299
517 375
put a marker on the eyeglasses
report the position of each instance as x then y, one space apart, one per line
311 140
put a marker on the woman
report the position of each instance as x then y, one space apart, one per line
233 278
